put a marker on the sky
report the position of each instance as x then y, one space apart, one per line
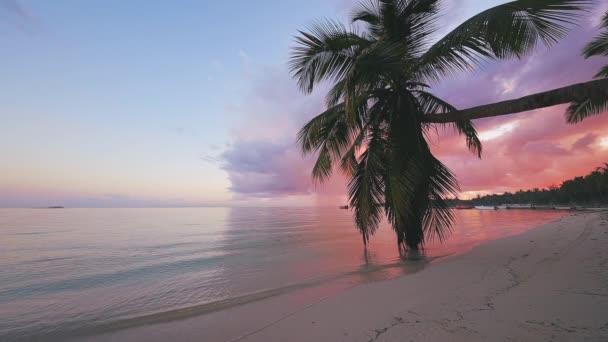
190 103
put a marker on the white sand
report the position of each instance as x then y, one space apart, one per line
548 284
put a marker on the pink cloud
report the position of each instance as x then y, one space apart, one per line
585 143
542 151
540 148
526 150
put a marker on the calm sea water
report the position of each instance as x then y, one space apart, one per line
65 272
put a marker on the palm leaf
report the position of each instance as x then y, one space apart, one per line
603 73
580 110
369 12
315 132
366 188
438 217
326 52
467 128
371 70
426 212
433 105
598 46
329 135
349 161
510 30
410 23
604 23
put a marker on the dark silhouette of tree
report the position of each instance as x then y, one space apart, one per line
591 189
380 108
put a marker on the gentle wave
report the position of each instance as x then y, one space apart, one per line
86 271
87 328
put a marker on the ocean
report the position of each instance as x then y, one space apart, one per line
80 272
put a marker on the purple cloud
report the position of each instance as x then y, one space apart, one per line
266 169
585 142
263 161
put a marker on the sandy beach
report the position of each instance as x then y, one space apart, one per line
547 284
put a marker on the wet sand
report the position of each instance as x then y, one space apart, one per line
549 283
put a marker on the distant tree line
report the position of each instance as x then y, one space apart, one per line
589 189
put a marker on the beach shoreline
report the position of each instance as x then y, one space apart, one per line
550 282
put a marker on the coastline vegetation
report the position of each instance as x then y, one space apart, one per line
588 190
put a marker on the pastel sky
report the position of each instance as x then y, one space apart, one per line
185 103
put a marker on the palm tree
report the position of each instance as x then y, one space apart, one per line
380 109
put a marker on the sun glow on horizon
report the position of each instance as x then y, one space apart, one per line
604 143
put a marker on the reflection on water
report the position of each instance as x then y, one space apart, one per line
76 270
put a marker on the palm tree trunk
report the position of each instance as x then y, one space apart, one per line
575 92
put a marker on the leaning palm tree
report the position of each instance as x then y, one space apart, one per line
381 110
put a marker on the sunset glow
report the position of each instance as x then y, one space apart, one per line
603 143
157 118
497 131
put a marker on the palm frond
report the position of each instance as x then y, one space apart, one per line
336 93
425 213
368 12
510 30
322 169
401 180
438 217
366 187
603 73
371 122
329 135
604 23
431 104
467 128
315 132
410 23
372 69
598 46
369 69
349 162
580 110
327 51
